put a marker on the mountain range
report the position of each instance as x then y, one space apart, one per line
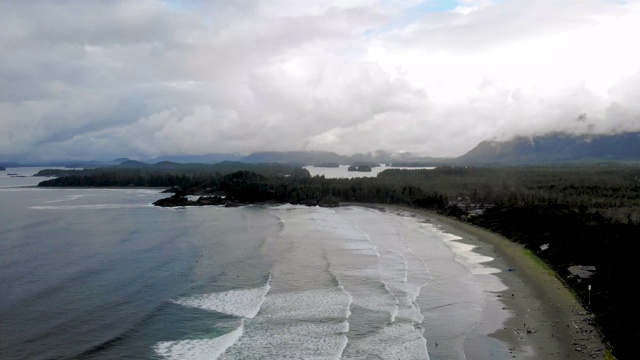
556 148
549 149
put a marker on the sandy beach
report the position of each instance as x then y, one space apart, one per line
546 322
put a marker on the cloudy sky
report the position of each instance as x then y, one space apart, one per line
103 79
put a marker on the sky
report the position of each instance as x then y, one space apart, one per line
90 79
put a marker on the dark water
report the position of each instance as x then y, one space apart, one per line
88 273
102 274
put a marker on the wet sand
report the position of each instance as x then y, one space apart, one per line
546 322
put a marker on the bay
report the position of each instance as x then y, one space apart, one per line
103 274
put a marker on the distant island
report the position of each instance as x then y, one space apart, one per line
2 168
363 166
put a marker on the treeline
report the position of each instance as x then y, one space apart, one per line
614 191
300 188
563 236
165 174
264 183
245 186
578 215
124 178
587 216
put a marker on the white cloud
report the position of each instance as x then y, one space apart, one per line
148 77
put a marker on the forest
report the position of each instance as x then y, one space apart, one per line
581 215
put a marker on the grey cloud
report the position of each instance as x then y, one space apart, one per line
501 24
623 113
145 78
88 22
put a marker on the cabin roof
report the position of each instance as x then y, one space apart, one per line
582 271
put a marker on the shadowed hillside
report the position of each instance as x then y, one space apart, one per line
555 149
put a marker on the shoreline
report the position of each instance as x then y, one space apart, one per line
546 321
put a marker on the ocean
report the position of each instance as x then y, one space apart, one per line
103 274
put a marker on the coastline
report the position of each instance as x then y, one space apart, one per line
546 322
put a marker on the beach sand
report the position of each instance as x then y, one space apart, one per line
546 322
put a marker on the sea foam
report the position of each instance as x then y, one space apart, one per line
395 341
471 260
242 303
290 340
309 324
315 304
197 349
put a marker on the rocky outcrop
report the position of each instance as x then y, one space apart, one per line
179 199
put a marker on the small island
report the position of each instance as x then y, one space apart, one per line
2 168
180 199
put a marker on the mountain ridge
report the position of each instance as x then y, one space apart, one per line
549 149
556 148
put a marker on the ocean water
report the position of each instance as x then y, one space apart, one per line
343 171
103 274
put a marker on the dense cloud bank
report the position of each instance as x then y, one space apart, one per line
93 79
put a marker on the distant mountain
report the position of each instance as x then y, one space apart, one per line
197 159
556 148
133 164
78 164
9 164
93 163
326 157
296 157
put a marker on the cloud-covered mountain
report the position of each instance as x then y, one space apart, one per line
549 149
556 148
553 148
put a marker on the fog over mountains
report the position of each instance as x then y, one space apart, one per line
549 149
556 148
